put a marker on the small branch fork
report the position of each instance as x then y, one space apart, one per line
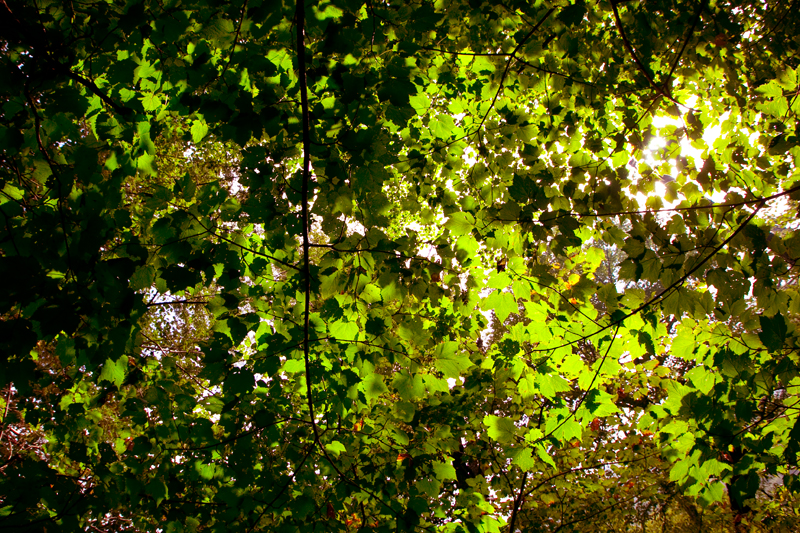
583 397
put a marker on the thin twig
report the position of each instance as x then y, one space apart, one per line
671 209
588 389
589 467
176 302
235 39
517 503
666 292
245 248
56 174
508 67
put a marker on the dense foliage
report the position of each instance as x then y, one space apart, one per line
399 265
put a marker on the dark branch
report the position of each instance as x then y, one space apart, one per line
517 503
660 90
508 66
94 89
301 64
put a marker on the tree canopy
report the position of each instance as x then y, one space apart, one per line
457 266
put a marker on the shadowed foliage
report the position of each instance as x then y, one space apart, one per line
393 265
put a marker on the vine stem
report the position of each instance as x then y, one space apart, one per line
300 15
301 63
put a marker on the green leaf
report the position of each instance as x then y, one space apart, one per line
335 448
600 403
143 278
240 381
343 329
220 31
158 490
684 344
409 387
420 103
206 471
460 223
404 411
146 164
702 379
151 102
502 303
199 130
773 331
373 386
500 429
114 371
550 384
544 456
572 14
523 458
450 361
399 91
444 471
443 127
294 365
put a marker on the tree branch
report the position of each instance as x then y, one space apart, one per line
639 64
676 209
94 89
689 34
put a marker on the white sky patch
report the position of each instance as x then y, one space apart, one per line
354 226
710 135
775 209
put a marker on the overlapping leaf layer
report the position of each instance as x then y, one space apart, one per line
398 266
